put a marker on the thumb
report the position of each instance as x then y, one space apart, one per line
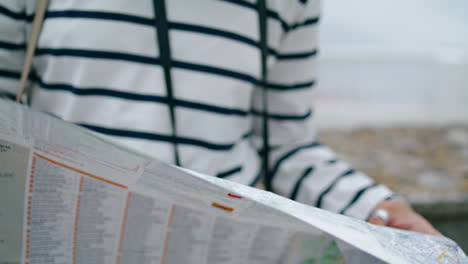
377 221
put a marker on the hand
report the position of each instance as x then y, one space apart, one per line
402 216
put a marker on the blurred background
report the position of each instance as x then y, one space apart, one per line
392 99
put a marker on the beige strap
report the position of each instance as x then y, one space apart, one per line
32 43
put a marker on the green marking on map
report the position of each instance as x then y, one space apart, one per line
329 252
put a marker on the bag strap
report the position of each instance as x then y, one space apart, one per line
32 43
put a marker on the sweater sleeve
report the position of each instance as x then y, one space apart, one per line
13 20
301 168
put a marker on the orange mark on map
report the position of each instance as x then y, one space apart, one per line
223 207
80 171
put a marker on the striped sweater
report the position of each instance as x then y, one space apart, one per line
98 65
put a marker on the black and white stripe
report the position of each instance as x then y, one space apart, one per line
111 80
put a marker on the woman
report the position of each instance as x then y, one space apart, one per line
186 83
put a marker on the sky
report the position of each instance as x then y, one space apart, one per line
393 60
430 24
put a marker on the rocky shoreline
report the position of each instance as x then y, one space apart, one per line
427 165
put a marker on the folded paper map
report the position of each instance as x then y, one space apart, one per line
69 196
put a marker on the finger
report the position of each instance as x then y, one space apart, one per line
434 232
427 229
377 221
415 223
